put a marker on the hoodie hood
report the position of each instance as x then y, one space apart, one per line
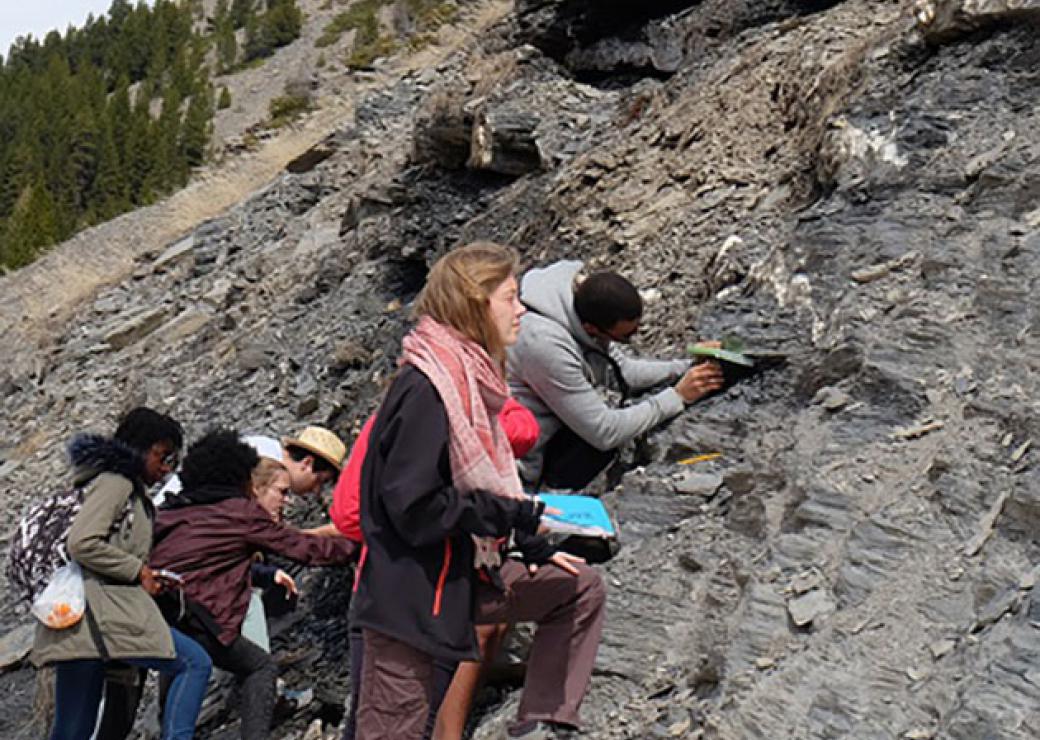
549 292
201 495
92 454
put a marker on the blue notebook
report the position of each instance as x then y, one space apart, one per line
581 515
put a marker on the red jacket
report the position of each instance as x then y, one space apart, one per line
517 422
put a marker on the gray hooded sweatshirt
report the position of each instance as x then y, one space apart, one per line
555 367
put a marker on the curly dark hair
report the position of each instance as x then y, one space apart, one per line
220 458
143 427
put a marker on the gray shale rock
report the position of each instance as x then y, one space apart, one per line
810 607
174 254
15 645
138 326
704 485
807 176
944 20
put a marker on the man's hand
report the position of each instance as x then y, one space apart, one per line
281 578
149 582
700 380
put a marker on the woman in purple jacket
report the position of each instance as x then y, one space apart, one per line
209 534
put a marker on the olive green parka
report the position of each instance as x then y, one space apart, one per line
110 538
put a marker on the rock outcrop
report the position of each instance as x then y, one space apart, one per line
943 20
849 549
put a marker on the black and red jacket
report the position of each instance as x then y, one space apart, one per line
416 576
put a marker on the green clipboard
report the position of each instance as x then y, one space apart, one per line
722 355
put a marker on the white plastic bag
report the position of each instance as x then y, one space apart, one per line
63 602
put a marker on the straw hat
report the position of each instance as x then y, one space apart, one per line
321 442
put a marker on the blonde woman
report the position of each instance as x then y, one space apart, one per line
271 488
439 497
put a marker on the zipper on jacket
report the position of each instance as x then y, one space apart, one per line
360 565
442 578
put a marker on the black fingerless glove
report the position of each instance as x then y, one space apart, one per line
528 516
534 549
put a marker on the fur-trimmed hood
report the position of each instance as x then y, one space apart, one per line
92 454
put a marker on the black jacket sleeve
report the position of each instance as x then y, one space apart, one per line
262 574
415 486
534 549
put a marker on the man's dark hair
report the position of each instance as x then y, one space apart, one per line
319 464
142 427
605 298
220 458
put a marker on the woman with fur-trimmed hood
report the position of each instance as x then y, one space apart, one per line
111 538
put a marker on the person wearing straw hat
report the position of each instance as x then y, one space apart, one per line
313 458
209 534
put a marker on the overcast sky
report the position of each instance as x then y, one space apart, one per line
22 17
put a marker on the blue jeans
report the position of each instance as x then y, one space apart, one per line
79 684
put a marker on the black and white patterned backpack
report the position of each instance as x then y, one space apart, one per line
38 544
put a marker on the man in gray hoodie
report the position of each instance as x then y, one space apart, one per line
568 347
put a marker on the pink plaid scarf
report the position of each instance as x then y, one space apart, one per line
473 392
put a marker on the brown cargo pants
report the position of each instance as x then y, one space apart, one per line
569 612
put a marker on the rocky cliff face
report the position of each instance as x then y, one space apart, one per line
851 187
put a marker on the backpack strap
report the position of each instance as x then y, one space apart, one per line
95 633
623 386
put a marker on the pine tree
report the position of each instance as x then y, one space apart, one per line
33 225
224 36
18 173
221 13
118 12
136 38
169 167
225 98
140 153
56 135
110 194
242 11
196 129
281 23
81 168
158 48
181 75
255 44
118 114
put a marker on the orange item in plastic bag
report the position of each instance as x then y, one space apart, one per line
63 602
62 615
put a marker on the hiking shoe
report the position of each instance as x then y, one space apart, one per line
529 731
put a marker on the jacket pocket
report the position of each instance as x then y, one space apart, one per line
122 611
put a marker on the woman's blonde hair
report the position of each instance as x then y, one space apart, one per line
459 287
264 473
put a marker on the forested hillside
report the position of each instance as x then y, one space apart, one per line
107 117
